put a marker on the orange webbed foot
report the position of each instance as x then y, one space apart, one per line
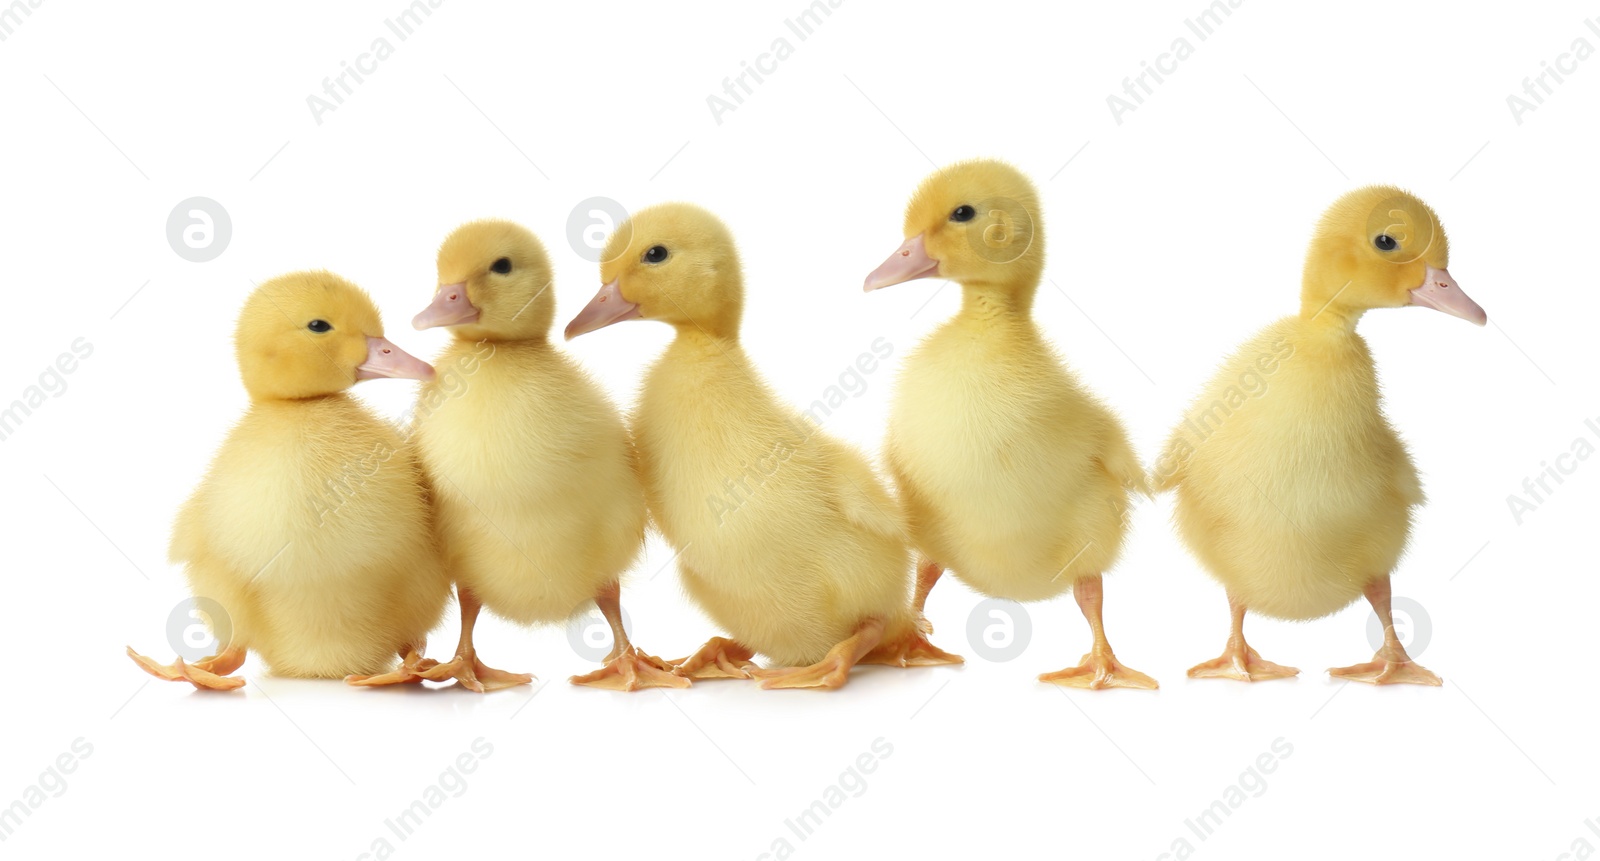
1381 671
632 670
1100 670
830 673
412 667
208 674
719 658
475 675
1245 665
1390 665
833 670
911 650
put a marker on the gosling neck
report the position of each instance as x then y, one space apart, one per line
693 338
1331 317
720 324
293 401
473 333
987 300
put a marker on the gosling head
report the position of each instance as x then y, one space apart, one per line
974 222
1381 247
310 334
675 263
494 283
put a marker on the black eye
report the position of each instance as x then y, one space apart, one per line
502 266
655 254
320 326
963 213
1385 242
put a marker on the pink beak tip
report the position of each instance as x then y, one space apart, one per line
602 311
387 361
1440 292
908 263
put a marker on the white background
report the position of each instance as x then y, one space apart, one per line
1172 237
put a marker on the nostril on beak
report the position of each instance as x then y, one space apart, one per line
454 296
905 254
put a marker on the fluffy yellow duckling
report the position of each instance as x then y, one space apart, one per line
1013 475
539 502
1292 488
785 536
311 528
